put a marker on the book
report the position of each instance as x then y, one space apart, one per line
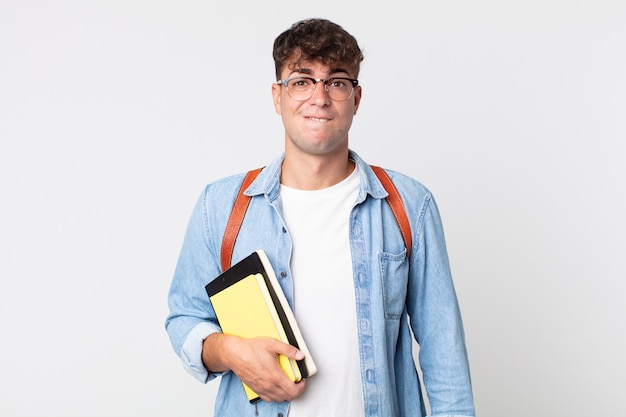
249 302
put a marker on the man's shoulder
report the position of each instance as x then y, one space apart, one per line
233 182
220 193
403 182
406 183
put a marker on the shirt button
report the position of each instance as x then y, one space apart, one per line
283 274
280 415
284 231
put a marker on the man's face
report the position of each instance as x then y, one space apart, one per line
319 125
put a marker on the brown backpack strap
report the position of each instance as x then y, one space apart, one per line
397 206
242 201
236 218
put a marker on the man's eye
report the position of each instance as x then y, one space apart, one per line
301 82
337 84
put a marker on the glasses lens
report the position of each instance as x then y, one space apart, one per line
300 88
338 89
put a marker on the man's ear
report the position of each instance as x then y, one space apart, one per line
276 90
358 92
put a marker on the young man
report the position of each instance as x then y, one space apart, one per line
320 214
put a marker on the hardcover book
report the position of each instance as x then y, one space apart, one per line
249 302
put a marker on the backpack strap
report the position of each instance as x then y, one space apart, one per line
233 225
397 206
242 201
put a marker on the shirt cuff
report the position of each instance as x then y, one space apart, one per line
191 353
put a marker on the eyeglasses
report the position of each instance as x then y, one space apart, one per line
302 88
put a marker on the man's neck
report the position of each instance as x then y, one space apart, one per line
312 172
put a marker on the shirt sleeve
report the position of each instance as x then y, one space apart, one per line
191 352
436 320
192 318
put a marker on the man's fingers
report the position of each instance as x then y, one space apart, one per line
287 350
256 364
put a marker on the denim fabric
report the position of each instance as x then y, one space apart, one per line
396 293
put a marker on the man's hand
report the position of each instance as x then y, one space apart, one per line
255 362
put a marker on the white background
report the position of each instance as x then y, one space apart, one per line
114 114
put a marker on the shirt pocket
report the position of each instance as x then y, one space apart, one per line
394 273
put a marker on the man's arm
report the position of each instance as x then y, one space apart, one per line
193 327
436 321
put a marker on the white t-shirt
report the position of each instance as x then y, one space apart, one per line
324 300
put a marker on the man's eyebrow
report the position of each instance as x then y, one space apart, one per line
336 70
301 71
308 71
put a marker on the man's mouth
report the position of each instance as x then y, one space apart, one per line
316 119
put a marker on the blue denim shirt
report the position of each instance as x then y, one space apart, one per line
396 292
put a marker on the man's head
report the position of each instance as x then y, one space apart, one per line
316 93
317 40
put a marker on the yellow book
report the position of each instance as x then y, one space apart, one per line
249 302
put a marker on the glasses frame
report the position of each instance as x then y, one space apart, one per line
324 81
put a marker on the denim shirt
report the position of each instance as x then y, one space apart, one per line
397 294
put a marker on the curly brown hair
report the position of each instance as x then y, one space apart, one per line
317 40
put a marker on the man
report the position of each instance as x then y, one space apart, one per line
320 214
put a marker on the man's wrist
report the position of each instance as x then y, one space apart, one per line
212 348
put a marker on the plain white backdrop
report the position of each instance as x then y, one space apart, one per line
114 114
